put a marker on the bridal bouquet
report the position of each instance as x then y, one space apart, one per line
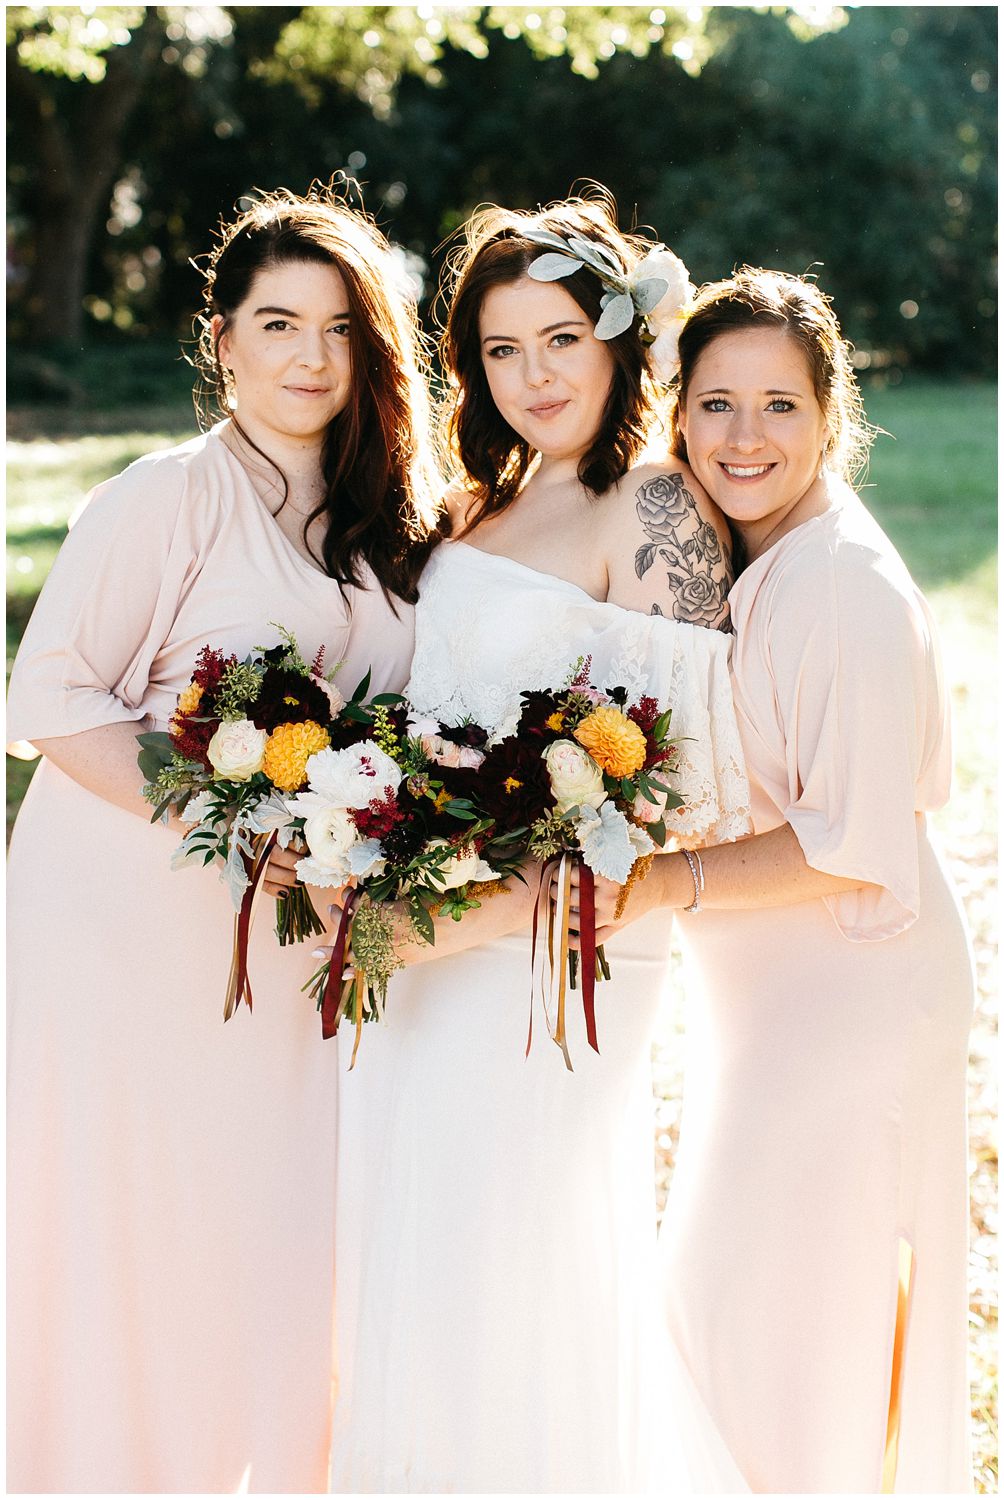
579 783
396 816
237 743
267 751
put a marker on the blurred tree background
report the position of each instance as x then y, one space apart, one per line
859 141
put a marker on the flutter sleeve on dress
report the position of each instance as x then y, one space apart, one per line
859 692
107 605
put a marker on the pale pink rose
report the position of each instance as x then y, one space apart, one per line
576 779
446 753
332 694
649 812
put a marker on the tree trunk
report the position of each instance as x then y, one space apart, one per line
78 162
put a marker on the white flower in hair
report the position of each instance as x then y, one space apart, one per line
667 317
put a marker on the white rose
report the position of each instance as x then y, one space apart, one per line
236 750
334 697
576 779
355 776
465 865
330 834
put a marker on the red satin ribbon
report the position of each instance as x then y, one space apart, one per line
255 869
333 983
587 948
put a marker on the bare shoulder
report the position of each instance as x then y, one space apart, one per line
670 551
456 506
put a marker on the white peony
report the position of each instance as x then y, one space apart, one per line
355 776
236 750
576 779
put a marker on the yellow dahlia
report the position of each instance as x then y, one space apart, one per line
189 700
287 750
616 744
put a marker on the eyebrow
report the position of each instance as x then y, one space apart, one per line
287 312
724 390
551 328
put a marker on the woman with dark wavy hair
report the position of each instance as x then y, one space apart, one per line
171 1180
496 1215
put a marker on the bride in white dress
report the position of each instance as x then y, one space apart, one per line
496 1323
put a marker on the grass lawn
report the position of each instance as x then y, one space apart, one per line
932 485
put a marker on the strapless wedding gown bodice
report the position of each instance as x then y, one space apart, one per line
497 1320
489 628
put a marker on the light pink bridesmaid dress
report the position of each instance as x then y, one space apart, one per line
824 1136
170 1178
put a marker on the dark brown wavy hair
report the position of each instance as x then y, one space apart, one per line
381 483
754 298
494 459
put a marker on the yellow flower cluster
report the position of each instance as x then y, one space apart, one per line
383 731
287 750
614 741
189 700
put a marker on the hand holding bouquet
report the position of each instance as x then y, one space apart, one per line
579 782
394 815
236 746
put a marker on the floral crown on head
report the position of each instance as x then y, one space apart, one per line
658 291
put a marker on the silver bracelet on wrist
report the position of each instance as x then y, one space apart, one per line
697 871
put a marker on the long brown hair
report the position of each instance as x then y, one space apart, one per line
754 298
494 252
380 481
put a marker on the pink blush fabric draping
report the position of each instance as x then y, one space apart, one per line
825 1110
170 1180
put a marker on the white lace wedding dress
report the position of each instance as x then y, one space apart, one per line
497 1325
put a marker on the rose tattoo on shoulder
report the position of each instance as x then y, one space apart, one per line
690 548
